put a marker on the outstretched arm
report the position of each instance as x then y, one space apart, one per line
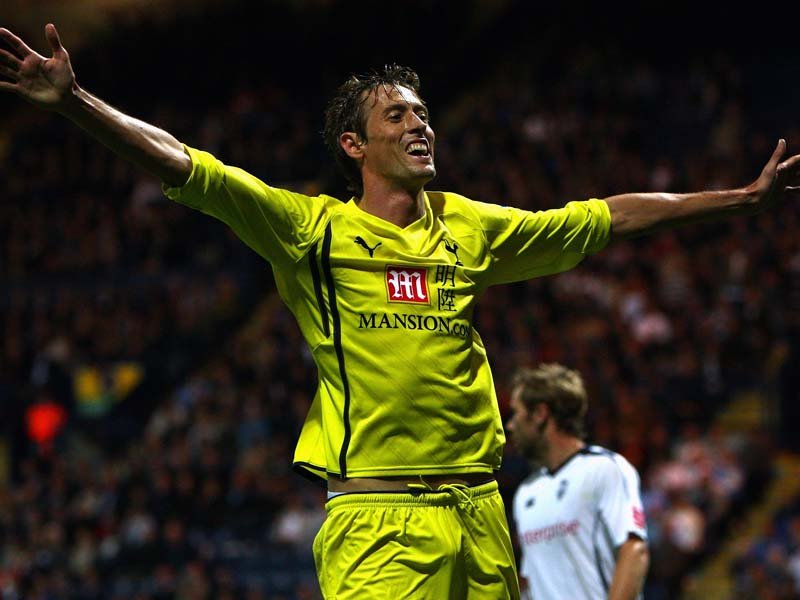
49 83
636 214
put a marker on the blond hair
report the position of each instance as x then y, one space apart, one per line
561 389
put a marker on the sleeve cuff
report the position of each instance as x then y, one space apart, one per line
604 222
175 192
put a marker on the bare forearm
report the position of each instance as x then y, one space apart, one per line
145 145
635 214
633 559
49 83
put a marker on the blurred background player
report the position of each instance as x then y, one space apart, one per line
579 515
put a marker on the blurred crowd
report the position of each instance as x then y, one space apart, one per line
769 566
199 501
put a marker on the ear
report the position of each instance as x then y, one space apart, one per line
541 411
352 144
541 415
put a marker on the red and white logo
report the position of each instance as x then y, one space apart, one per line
638 517
407 284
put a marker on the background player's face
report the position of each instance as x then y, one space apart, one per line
400 140
526 428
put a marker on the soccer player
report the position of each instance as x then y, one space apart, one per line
579 516
405 427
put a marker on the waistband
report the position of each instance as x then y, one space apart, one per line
417 494
402 483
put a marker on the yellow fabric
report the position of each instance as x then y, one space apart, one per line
404 383
423 545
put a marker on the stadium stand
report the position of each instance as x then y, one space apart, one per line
767 566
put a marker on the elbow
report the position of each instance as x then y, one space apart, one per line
626 224
623 223
633 215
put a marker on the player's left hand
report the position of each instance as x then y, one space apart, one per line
777 180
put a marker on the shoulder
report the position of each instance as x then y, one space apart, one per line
206 165
601 452
607 464
329 202
449 203
480 215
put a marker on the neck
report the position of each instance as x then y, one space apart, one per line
561 446
394 204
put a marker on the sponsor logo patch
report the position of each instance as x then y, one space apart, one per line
551 532
638 517
407 284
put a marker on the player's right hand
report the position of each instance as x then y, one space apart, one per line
45 82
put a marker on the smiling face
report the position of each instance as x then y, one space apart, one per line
398 148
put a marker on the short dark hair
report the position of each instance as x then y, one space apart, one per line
345 113
561 389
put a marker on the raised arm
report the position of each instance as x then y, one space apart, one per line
639 213
49 83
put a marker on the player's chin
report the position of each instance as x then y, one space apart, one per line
421 162
427 171
419 175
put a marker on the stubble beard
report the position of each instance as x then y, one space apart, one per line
536 452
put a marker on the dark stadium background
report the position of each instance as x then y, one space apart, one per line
157 340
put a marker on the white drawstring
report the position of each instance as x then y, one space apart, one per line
456 490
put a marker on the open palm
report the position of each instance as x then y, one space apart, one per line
45 82
777 180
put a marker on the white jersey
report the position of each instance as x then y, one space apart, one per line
571 521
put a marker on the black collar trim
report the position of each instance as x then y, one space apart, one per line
583 450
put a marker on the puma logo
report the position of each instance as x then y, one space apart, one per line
360 241
453 250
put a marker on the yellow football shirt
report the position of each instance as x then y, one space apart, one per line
404 382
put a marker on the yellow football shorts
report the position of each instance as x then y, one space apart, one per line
451 543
